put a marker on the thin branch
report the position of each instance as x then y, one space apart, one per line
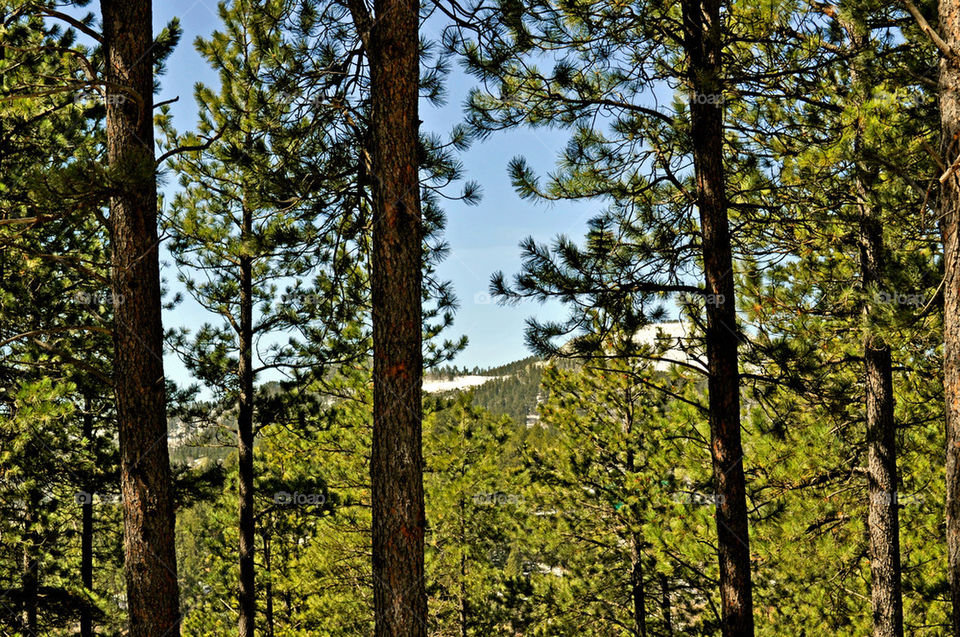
186 149
930 31
361 18
103 377
53 330
76 24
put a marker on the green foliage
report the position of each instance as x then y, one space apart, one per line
596 515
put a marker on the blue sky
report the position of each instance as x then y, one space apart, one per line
482 238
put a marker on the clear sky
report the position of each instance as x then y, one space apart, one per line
482 238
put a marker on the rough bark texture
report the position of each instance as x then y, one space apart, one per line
703 43
949 28
885 589
145 481
248 595
396 463
885 586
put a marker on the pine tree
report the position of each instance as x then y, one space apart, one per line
391 43
949 84
56 313
846 192
474 506
635 165
150 555
244 224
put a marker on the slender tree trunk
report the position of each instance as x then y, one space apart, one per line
145 480
703 43
248 595
268 586
86 534
30 576
287 601
463 566
884 525
637 590
883 521
949 28
665 606
396 464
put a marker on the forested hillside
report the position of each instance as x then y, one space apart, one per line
249 385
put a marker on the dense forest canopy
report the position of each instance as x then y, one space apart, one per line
233 390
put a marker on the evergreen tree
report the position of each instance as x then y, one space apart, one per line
56 314
947 37
474 510
391 43
246 224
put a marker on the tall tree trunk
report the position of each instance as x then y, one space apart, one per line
463 565
883 520
665 606
703 43
949 28
396 464
885 588
145 480
86 533
30 576
248 595
287 599
636 588
637 592
268 586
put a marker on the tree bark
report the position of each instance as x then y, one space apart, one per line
396 465
30 575
248 595
145 479
86 534
703 44
883 520
637 590
665 606
949 89
268 586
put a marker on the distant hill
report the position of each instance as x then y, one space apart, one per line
514 388
509 389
